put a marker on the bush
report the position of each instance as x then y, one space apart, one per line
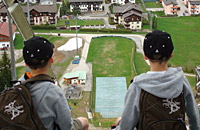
44 27
111 22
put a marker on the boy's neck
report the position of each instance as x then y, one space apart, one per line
39 71
156 66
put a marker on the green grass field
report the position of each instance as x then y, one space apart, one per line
110 57
80 22
153 5
185 35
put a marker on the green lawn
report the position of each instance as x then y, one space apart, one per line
80 22
18 42
110 57
140 64
153 5
20 71
185 35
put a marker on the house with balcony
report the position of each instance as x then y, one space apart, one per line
39 14
86 5
170 7
194 7
5 36
122 2
128 15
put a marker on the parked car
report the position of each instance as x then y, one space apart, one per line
4 48
186 11
76 60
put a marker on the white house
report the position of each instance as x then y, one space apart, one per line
47 2
86 5
121 2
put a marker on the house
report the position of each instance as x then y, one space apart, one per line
121 2
39 14
47 2
77 77
194 7
197 69
170 7
4 35
128 15
86 5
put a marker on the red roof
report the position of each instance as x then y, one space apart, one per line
4 29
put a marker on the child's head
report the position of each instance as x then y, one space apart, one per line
37 51
158 46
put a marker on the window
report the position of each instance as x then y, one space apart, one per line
137 22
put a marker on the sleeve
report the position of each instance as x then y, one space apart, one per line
130 115
63 115
191 106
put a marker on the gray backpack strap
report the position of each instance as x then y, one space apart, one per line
41 77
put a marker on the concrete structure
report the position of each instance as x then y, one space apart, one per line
194 7
86 5
170 7
4 35
47 2
122 2
129 15
39 14
77 77
73 91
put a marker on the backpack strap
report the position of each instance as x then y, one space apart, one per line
40 77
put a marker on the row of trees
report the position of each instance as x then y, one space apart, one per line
5 71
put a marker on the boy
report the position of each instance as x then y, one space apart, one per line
48 99
160 81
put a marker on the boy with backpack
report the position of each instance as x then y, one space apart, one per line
48 99
158 99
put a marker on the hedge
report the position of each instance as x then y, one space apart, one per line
45 27
106 30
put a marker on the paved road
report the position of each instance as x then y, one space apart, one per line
182 8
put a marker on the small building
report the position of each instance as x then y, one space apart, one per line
194 7
170 7
5 36
197 70
77 77
86 5
128 15
122 2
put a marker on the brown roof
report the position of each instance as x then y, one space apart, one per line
126 7
4 29
132 13
39 8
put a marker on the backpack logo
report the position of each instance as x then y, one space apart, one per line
11 108
173 105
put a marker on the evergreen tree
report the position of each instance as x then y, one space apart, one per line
5 71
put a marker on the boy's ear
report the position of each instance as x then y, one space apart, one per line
51 60
172 55
145 57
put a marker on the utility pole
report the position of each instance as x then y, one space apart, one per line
28 12
13 68
76 34
151 15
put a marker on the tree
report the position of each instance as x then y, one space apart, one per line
75 11
5 71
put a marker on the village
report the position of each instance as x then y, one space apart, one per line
74 34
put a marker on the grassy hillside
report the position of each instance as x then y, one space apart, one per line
185 35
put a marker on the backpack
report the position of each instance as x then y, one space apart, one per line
16 107
161 114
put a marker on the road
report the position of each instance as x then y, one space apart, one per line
182 8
